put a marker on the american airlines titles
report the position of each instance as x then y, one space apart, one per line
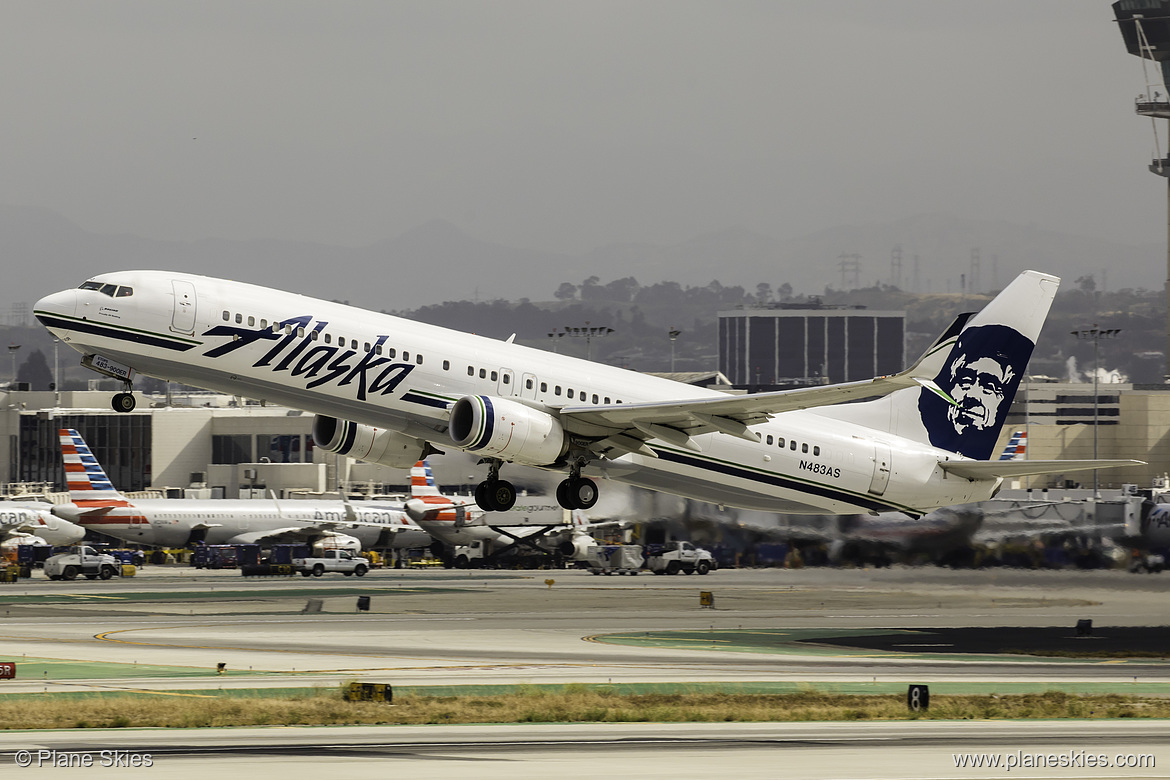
319 363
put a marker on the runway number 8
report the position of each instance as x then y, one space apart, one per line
7 670
918 698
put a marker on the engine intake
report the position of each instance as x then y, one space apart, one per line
507 430
365 442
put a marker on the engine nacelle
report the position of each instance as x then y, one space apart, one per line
364 442
499 428
578 548
333 540
1156 526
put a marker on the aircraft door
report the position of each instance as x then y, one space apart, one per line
881 468
183 319
528 386
507 386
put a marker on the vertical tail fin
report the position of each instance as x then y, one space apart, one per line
422 480
975 370
1016 446
985 366
88 483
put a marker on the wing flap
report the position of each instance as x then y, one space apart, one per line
990 469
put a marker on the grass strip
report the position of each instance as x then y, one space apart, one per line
563 704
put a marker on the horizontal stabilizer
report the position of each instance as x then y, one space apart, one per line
990 469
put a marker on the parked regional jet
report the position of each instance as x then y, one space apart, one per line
175 522
388 390
21 524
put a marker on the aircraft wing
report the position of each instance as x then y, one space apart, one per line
630 425
990 469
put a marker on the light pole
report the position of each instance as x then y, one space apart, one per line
554 334
56 376
588 333
674 334
1095 335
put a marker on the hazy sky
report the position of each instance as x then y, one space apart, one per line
567 125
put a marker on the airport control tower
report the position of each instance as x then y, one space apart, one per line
1145 27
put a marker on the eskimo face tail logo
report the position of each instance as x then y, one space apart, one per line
981 374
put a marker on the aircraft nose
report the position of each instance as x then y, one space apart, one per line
57 311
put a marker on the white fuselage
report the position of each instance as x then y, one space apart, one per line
25 523
171 522
401 375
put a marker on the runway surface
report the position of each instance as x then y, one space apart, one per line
691 750
167 629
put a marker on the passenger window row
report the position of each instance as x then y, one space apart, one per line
316 335
792 445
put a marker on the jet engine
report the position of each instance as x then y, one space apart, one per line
364 442
511 431
578 548
336 541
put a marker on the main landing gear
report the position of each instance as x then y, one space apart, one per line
499 495
495 494
577 492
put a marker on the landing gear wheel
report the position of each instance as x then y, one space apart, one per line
564 497
584 493
495 495
503 495
577 493
124 402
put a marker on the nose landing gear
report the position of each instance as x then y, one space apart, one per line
124 402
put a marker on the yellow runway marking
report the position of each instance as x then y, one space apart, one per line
140 690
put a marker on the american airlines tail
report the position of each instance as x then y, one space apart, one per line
422 481
89 487
976 369
1016 446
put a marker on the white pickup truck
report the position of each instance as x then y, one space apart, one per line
673 557
343 561
82 559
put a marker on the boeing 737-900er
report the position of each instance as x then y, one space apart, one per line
175 522
387 390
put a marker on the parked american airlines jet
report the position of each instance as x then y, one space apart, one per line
174 522
21 524
388 390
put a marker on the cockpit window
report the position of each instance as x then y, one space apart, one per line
90 286
124 292
109 289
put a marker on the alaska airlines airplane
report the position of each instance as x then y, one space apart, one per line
21 524
388 390
175 522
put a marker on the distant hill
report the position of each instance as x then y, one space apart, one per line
438 262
